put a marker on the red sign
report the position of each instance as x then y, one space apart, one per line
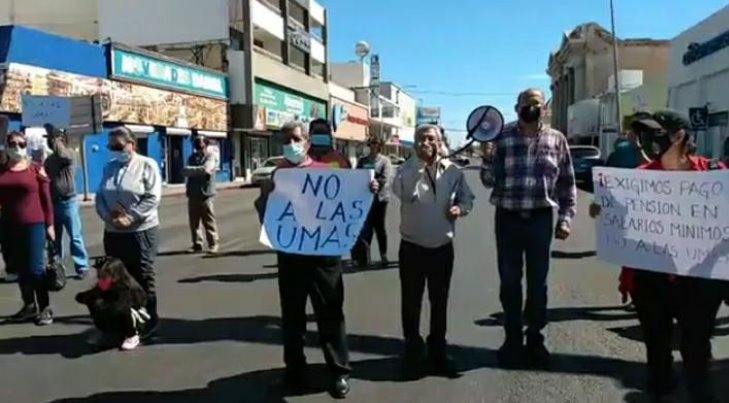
356 120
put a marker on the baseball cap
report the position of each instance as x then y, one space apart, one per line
668 120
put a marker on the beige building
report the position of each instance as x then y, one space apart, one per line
582 66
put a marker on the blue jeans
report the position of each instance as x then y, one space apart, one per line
68 217
520 235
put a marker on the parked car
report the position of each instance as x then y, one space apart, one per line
263 173
583 159
395 160
461 160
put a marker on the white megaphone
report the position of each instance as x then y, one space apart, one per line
484 124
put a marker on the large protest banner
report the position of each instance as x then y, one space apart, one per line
315 211
666 221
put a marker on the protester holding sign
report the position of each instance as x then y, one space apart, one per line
659 297
61 167
316 277
25 199
434 194
530 170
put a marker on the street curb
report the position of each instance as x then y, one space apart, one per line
177 191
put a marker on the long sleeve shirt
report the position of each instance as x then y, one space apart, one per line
25 196
528 173
383 174
200 172
62 171
427 193
134 188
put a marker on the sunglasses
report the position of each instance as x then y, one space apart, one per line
117 147
16 144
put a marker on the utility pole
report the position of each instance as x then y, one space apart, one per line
616 72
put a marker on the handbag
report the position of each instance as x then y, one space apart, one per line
55 272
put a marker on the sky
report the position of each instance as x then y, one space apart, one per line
458 54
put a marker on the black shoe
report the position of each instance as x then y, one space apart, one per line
511 355
384 261
340 387
413 365
296 380
45 317
195 249
538 355
444 365
26 314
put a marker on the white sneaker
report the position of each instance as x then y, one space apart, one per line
130 343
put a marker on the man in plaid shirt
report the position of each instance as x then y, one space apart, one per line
530 170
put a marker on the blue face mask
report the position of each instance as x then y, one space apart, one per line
321 140
121 156
295 153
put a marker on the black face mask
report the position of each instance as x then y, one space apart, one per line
530 113
655 144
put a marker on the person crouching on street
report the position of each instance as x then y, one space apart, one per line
25 199
434 194
660 297
316 277
128 201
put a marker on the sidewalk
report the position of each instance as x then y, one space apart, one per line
177 190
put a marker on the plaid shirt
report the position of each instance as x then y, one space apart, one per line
531 173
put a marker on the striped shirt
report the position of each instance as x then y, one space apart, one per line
529 173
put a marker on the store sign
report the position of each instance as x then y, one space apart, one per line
120 101
298 37
427 115
698 51
282 106
136 67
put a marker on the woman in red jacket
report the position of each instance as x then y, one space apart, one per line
27 216
659 297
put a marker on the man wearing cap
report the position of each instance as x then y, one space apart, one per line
530 171
376 219
200 189
61 169
628 154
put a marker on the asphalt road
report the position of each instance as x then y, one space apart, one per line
220 338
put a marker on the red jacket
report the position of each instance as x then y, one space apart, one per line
627 275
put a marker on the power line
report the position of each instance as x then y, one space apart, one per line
463 94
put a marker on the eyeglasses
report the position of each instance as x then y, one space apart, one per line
16 144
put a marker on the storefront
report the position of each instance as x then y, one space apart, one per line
698 81
167 102
350 122
275 105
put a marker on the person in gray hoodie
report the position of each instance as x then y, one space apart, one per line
128 201
61 169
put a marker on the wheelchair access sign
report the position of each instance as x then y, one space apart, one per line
699 118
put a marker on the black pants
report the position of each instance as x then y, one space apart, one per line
138 251
524 236
113 320
694 302
418 266
376 224
319 278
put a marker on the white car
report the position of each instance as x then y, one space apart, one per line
263 173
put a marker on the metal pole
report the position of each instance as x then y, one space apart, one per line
616 70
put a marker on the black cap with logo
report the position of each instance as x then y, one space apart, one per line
669 120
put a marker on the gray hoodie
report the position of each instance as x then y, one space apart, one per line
61 170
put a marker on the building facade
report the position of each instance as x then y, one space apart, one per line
582 66
699 77
350 121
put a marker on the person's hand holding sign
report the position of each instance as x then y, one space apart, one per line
374 186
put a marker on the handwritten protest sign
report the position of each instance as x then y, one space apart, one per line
672 222
317 212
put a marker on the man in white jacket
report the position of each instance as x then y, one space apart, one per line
433 194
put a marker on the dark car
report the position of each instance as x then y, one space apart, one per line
583 159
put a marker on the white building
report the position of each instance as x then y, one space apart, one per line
392 112
699 76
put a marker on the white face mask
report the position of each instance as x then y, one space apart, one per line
121 156
17 154
295 153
